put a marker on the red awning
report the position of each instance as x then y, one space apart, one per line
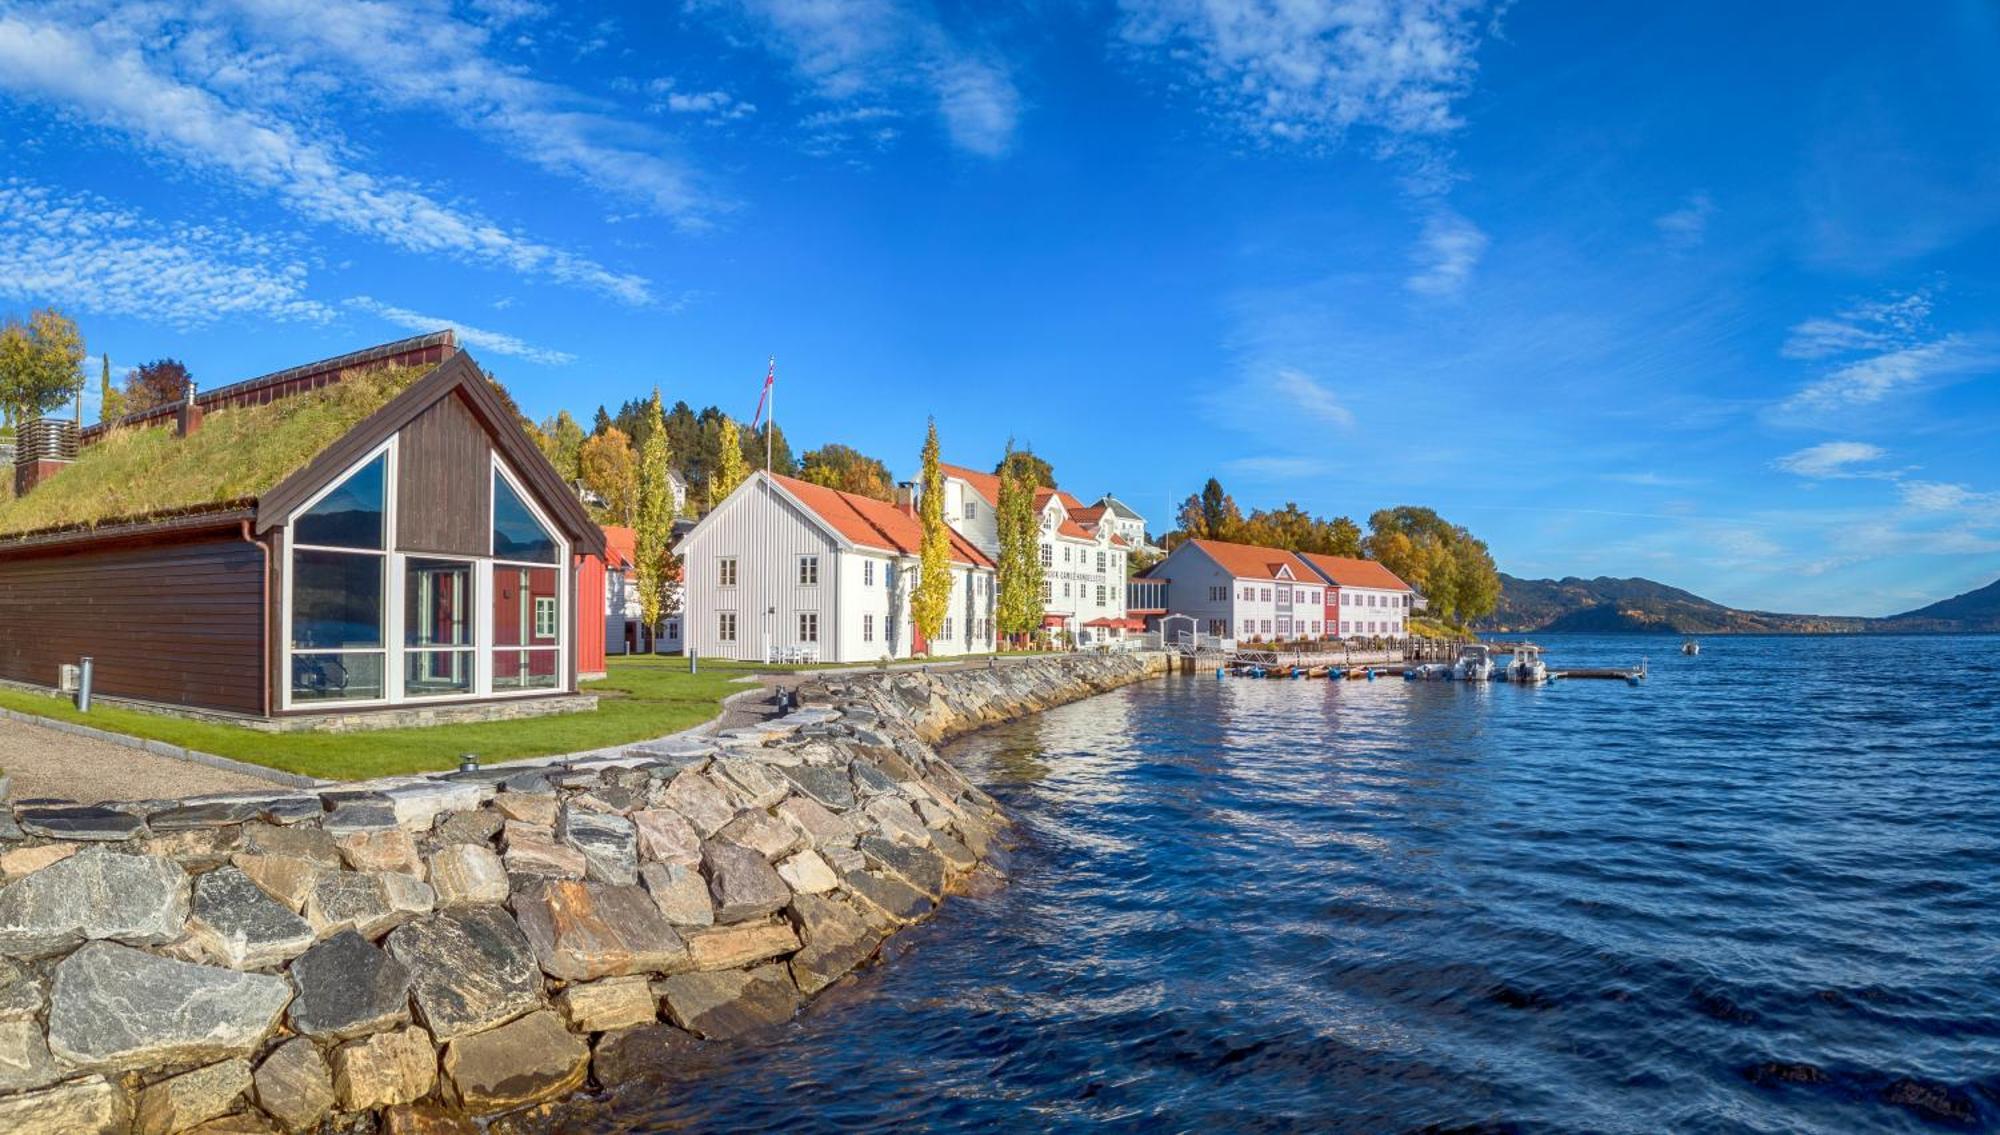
1055 620
1118 624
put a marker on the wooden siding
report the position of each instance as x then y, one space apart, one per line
175 623
589 619
444 480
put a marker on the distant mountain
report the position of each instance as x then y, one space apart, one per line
1642 605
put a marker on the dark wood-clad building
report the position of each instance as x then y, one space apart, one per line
372 532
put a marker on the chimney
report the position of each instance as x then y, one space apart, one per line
906 497
42 448
187 416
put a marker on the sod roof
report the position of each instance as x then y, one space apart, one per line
135 473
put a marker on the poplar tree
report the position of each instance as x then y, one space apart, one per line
656 518
1019 608
730 468
932 596
110 400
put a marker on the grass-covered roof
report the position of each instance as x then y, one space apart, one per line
237 455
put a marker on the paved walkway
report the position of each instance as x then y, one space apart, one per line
44 762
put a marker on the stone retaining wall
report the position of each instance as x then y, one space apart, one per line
402 955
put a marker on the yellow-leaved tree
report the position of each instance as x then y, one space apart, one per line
932 596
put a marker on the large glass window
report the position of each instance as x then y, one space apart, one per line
517 535
336 600
437 627
348 517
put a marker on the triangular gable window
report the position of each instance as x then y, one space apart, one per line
1284 572
517 535
350 516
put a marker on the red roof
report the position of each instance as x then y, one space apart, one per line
620 547
1121 624
1346 571
1247 561
872 523
985 484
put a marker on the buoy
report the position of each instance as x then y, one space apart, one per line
1219 672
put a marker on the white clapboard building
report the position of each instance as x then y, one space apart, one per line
1082 549
787 570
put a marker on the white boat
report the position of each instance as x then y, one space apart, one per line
1527 665
1690 647
1475 664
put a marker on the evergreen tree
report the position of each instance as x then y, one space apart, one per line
110 401
730 468
656 518
932 596
1019 610
600 423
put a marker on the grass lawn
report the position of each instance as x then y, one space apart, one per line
641 698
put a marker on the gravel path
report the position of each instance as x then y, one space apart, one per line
43 762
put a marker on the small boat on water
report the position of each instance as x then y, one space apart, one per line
1527 665
1690 647
1475 663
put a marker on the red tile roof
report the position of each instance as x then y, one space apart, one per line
1247 561
985 484
872 523
1347 571
620 547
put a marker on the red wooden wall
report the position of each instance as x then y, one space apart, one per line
589 615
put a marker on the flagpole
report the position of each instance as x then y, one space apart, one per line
770 406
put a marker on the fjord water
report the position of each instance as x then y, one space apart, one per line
1760 892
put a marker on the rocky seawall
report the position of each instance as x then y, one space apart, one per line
405 956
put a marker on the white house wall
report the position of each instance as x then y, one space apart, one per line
766 542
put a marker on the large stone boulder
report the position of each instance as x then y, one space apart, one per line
742 882
95 894
525 1061
24 1057
697 798
612 1003
295 1085
238 923
642 1052
825 784
836 939
471 968
666 837
286 878
762 833
920 867
468 874
348 988
113 1008
93 1106
808 873
582 931
384 1069
680 892
609 844
350 900
741 944
728 1004
192 1098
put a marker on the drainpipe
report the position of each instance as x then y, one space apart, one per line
263 614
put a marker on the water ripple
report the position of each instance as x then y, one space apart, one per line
1756 894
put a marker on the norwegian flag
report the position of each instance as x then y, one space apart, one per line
764 398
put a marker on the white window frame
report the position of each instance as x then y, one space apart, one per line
720 616
808 631
725 571
565 639
392 596
808 565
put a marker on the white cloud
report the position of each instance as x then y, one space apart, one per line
1687 226
1298 71
1446 254
1869 326
84 251
1935 496
718 105
1876 349
1649 479
116 86
498 342
1833 459
1298 392
1276 468
872 50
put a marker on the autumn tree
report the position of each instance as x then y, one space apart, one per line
561 440
656 519
1442 560
840 467
609 469
1210 514
41 364
730 468
1039 472
1018 610
931 598
161 382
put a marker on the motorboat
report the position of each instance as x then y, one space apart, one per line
1527 665
1690 647
1475 663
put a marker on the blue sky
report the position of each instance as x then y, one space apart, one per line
1702 292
